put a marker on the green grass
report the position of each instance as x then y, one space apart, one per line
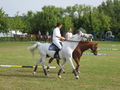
97 72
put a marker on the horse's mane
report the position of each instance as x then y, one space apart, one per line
74 37
83 43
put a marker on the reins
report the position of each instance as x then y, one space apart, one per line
71 41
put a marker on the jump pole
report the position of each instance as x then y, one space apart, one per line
100 54
109 49
19 66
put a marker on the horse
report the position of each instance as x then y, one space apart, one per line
78 52
65 53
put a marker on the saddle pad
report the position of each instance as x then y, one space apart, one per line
53 47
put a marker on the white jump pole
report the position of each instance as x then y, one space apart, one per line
20 66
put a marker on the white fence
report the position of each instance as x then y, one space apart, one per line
11 34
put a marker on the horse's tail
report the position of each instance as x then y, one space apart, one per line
33 47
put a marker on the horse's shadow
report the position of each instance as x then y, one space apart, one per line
27 74
40 71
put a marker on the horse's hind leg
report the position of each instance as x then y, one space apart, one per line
45 71
50 60
36 66
43 65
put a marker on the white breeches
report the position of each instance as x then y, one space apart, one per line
58 45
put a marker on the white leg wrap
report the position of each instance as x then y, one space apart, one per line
77 77
59 76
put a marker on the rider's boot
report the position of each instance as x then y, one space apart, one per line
56 55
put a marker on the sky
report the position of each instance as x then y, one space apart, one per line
11 7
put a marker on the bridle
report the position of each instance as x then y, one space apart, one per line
71 41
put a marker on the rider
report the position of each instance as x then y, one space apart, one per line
56 39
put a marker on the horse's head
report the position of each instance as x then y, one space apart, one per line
94 48
82 37
76 37
85 37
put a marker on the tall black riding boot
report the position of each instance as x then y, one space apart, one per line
56 55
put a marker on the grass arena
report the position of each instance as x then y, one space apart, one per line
100 72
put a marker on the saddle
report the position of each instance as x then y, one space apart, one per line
53 47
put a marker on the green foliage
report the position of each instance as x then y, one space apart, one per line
96 22
112 9
28 19
105 21
17 38
3 21
118 36
16 23
100 21
67 23
93 19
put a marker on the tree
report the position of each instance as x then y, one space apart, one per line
46 19
16 23
3 21
67 23
28 19
112 9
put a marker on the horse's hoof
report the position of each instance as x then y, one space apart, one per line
34 73
46 75
59 76
47 67
64 72
77 77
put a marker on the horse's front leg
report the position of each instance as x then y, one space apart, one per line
61 64
36 66
78 64
61 68
74 70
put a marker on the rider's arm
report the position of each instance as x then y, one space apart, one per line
60 37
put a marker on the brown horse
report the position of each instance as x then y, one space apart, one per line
77 53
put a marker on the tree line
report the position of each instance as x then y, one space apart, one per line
95 20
